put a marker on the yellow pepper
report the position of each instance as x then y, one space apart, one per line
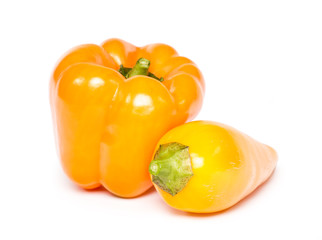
205 167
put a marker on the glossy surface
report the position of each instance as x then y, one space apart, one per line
107 126
227 166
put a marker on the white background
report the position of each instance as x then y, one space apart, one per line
262 64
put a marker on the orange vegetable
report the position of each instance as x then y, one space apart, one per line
205 167
110 108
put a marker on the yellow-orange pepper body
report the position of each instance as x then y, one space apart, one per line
107 126
226 166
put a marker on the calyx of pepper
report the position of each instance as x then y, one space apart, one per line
141 68
171 167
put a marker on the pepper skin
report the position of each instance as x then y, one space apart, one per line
107 126
205 167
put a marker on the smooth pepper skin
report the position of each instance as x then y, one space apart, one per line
107 126
227 165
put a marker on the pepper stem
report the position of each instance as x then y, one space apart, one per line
141 68
171 167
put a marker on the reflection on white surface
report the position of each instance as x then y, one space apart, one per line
197 162
78 81
96 82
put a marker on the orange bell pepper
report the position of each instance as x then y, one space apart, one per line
205 167
112 103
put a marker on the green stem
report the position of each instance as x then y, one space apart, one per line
123 70
171 167
141 68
